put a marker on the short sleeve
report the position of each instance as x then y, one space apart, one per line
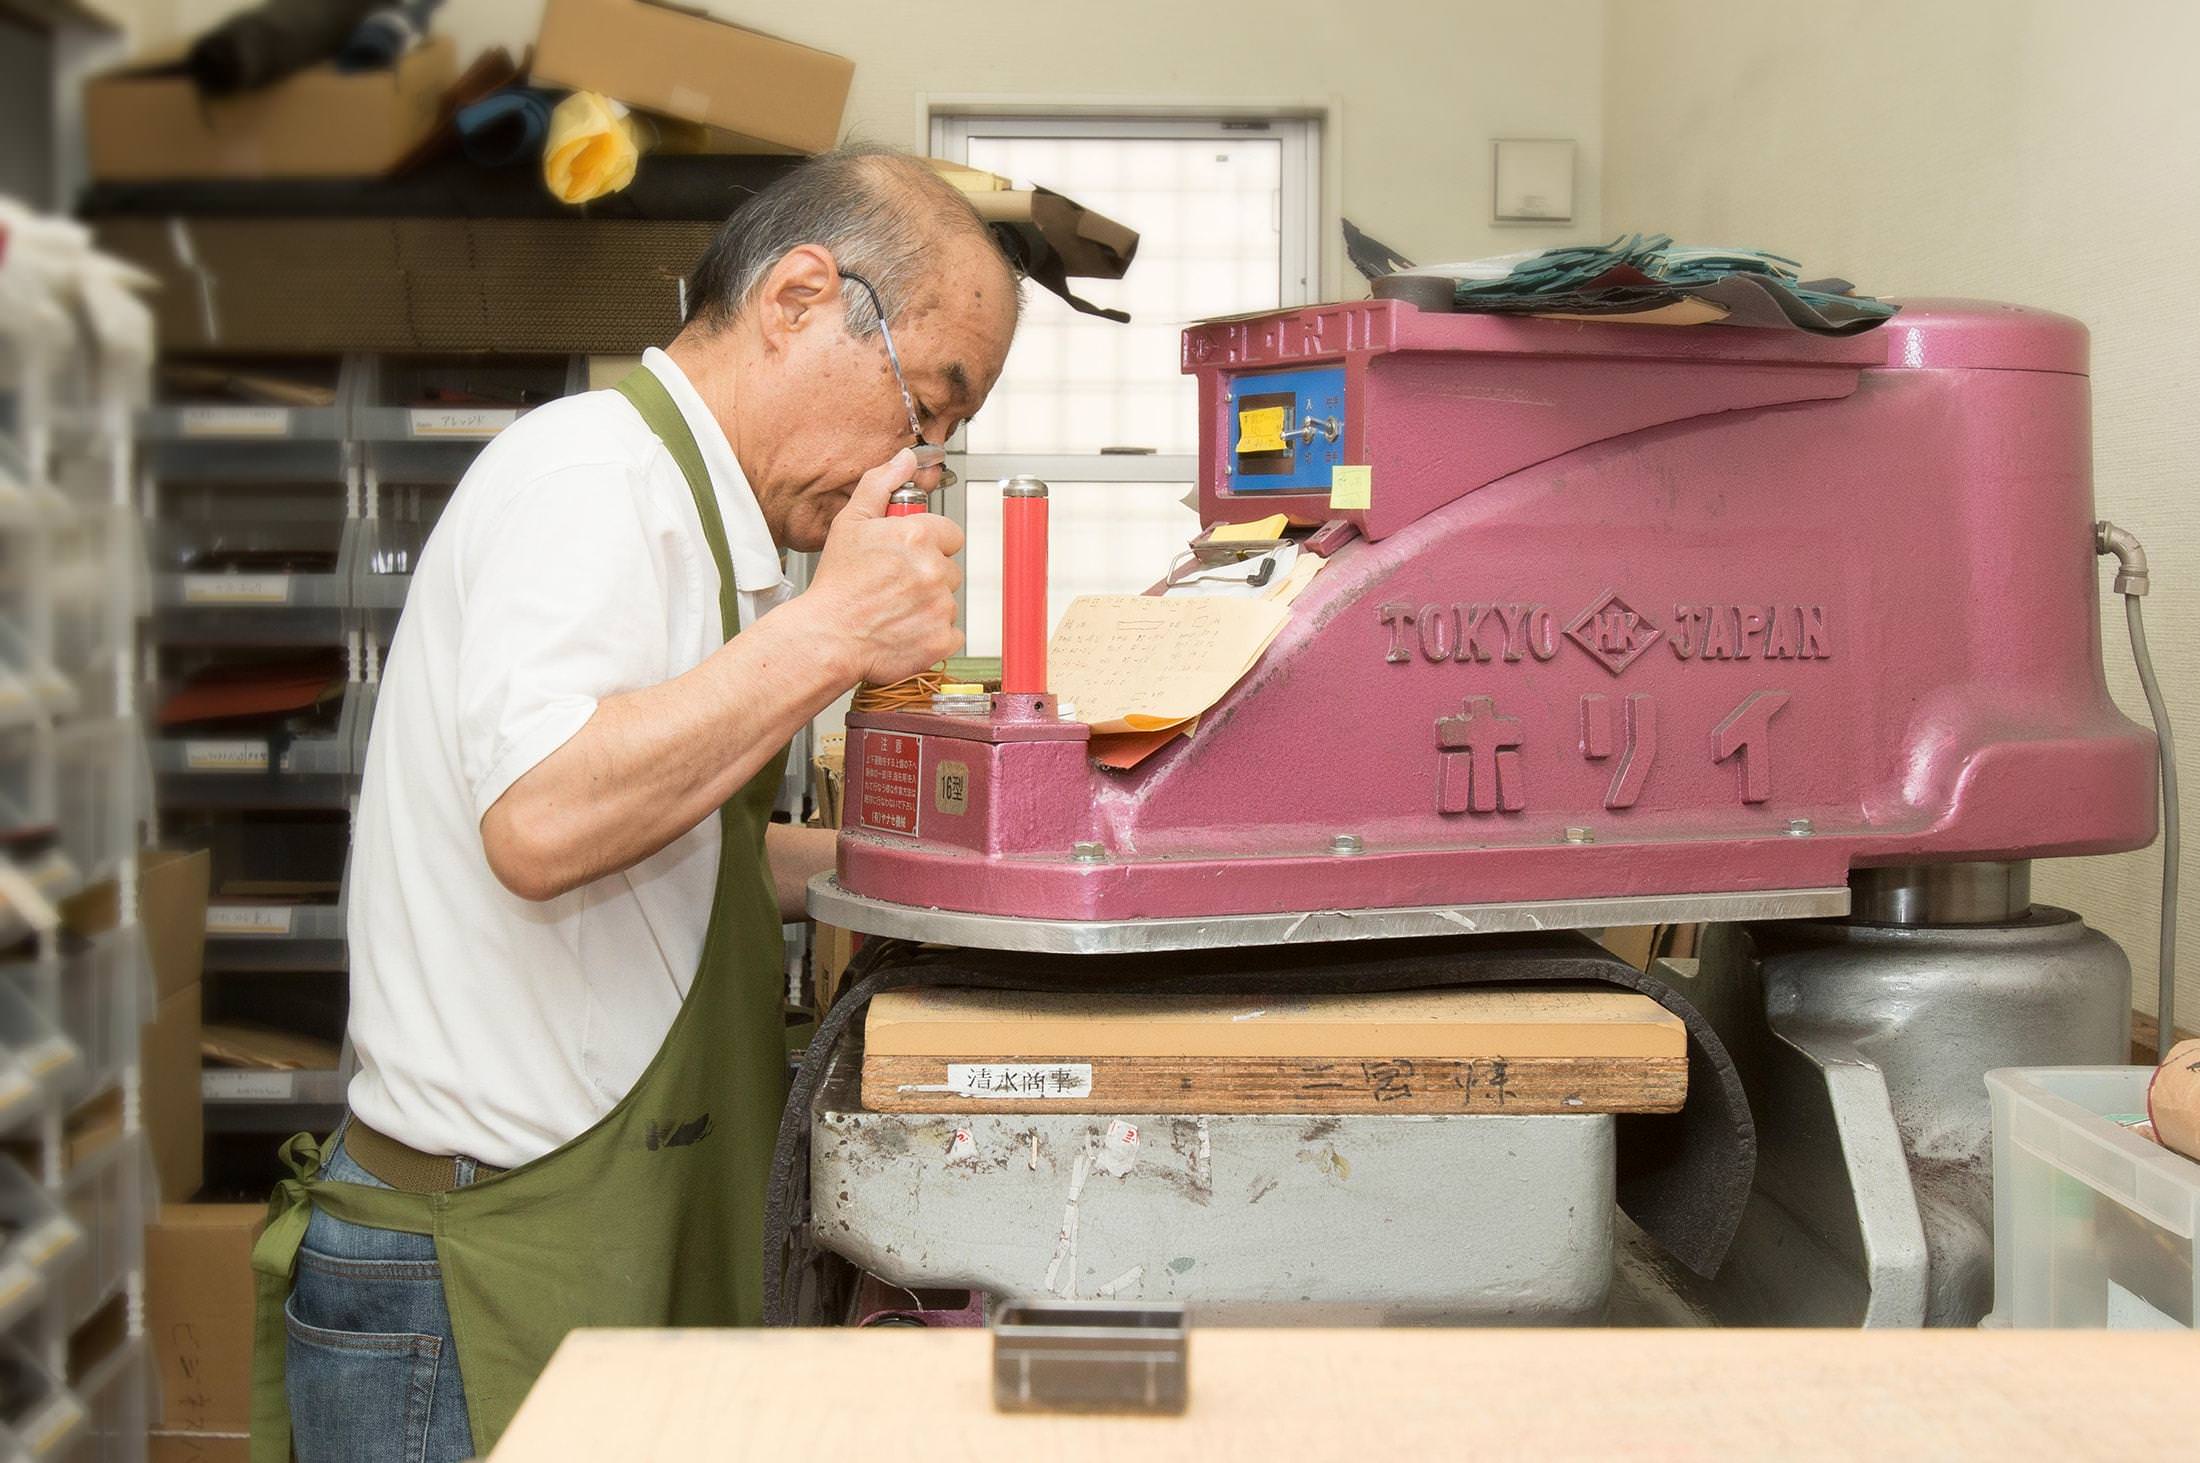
564 604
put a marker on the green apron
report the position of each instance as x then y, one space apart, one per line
654 1216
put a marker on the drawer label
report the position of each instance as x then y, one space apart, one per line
461 421
248 919
235 421
233 756
239 1086
236 589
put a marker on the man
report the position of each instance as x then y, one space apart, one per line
564 932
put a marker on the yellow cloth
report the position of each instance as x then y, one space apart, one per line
593 148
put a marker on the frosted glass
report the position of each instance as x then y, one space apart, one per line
1107 538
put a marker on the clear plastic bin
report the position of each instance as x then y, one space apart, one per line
37 1238
34 1039
252 564
105 1195
39 1417
318 768
98 766
115 1391
95 991
2094 1225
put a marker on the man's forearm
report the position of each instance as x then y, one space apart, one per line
797 854
653 763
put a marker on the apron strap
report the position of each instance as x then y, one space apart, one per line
662 415
274 1259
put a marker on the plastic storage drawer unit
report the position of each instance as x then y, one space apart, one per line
2094 1225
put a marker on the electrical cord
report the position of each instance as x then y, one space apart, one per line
2132 583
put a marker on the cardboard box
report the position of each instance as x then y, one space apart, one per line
149 122
172 889
184 1447
198 1312
772 95
172 892
511 286
173 1113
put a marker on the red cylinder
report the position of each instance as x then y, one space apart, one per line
907 500
1024 587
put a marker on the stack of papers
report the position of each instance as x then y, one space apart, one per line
1140 669
1648 279
1145 663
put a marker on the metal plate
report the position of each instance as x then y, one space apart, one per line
833 905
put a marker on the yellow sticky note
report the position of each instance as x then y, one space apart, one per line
1260 528
1261 429
1351 487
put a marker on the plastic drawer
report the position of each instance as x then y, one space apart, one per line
37 1239
34 1038
98 766
2094 1225
105 1195
230 771
39 1417
95 993
116 1393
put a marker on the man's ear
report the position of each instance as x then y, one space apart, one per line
799 287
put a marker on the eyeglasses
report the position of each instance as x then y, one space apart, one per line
928 454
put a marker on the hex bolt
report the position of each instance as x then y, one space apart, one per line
1580 835
1088 853
1800 828
1347 843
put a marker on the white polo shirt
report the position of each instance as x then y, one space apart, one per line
570 566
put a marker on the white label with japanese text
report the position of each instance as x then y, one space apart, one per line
236 589
461 421
248 919
240 1086
1019 1079
235 421
225 756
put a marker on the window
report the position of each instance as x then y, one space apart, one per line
1227 215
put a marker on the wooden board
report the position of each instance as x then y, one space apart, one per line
1461 1023
1521 1086
1491 1050
1796 1396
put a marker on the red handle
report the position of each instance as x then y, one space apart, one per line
1024 587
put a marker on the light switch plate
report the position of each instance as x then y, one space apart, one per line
1534 181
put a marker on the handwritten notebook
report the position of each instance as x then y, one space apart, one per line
1144 663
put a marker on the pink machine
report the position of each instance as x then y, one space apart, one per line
1623 625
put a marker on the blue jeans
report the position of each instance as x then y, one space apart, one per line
371 1365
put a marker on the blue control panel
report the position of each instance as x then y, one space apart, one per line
1310 442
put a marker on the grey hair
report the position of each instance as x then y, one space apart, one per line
878 211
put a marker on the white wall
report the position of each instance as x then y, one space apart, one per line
2039 151
1416 89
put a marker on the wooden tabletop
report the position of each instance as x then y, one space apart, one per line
925 1397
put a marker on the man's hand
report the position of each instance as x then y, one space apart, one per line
884 592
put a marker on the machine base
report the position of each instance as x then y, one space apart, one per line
1864 1049
1290 1219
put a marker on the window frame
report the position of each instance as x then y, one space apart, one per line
951 129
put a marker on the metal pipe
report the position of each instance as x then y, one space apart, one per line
1982 893
1023 586
2132 583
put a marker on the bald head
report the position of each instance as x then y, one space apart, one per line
884 216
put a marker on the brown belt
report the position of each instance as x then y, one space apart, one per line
402 1166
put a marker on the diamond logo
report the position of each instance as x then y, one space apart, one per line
1612 632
